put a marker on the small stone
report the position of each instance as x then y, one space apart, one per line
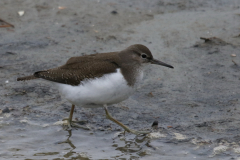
6 110
233 55
20 13
101 129
155 124
114 12
24 121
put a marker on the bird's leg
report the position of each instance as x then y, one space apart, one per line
72 123
122 125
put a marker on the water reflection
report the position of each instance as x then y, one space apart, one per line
68 141
129 146
132 148
71 152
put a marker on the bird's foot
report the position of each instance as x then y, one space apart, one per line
71 124
123 126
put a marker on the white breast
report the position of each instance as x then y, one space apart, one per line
109 89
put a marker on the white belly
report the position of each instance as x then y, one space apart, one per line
108 89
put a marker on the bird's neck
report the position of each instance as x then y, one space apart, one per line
133 74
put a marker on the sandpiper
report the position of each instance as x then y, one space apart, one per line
103 79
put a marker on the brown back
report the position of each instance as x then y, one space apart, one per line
80 68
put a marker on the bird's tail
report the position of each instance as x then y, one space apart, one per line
26 78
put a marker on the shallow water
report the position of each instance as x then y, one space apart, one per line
52 142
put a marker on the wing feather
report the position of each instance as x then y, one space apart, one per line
74 73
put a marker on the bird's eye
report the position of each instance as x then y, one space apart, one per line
144 56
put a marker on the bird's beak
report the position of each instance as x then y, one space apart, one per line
154 61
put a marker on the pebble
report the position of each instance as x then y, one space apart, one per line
155 124
114 12
6 110
21 13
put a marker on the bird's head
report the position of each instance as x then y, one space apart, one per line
141 55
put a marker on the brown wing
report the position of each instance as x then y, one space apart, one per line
110 56
74 73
